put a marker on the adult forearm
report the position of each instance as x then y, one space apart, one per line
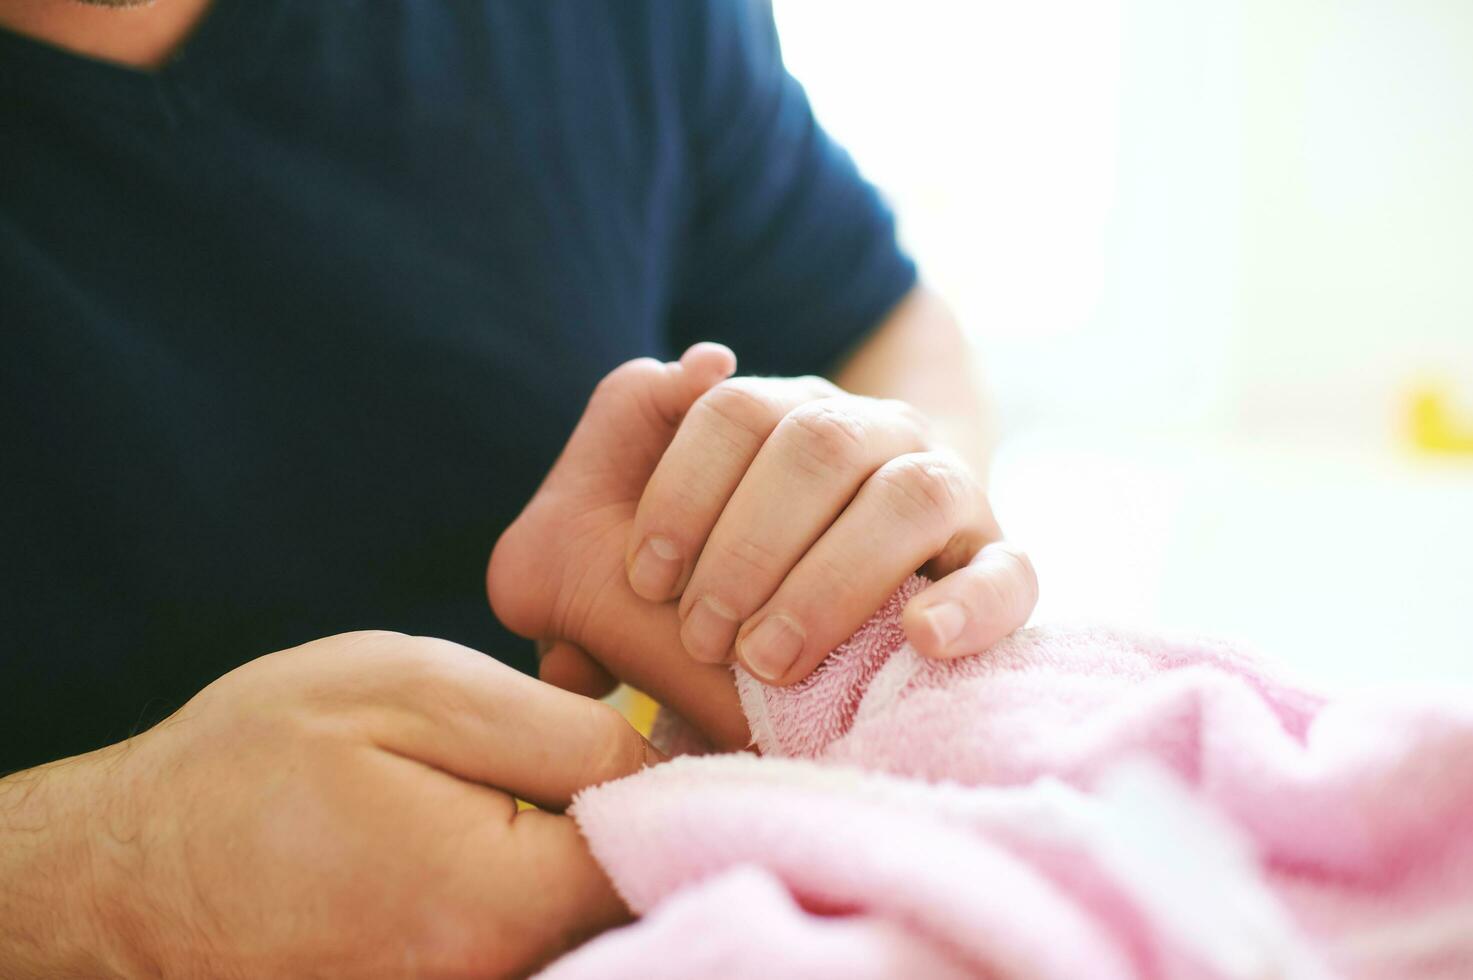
920 355
49 902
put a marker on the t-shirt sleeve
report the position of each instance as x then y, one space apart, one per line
789 255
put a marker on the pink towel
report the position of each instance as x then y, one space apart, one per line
1069 804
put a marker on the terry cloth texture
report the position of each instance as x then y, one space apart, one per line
1069 804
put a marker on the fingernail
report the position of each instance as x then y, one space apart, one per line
770 650
708 630
945 620
655 568
653 756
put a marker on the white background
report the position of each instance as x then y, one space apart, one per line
1207 249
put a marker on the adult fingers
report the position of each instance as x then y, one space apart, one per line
633 414
459 711
926 503
975 606
716 444
553 895
636 410
493 890
641 645
805 475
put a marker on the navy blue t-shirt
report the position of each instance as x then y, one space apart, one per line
291 328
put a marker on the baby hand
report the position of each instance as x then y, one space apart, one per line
558 574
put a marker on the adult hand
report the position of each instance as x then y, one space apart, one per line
342 808
786 511
765 497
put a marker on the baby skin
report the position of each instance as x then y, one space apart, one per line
694 519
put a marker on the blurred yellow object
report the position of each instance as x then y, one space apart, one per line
636 706
1434 426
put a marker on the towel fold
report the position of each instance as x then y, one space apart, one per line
1069 804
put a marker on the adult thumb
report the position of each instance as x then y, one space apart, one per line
479 720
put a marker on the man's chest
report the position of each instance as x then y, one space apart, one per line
385 305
